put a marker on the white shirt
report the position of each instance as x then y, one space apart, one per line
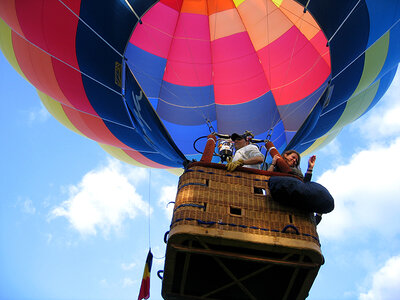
246 152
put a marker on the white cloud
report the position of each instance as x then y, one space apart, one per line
28 207
128 282
49 238
127 267
168 194
385 282
104 283
40 115
382 123
103 199
365 192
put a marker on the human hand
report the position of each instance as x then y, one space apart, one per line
275 158
232 165
311 162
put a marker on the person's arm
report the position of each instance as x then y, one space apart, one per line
253 160
271 167
254 155
311 164
232 165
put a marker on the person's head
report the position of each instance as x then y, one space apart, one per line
292 158
239 140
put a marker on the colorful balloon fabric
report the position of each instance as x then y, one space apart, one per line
146 78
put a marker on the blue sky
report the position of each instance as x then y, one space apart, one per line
74 222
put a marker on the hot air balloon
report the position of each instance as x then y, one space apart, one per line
146 78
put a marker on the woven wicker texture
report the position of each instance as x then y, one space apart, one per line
238 201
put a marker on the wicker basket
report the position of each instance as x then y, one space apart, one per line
227 229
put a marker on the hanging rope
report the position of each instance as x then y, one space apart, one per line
133 11
185 28
67 64
88 26
188 93
149 214
277 118
342 70
91 78
355 59
288 70
149 208
350 63
83 73
344 21
310 97
306 6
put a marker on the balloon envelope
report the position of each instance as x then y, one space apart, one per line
146 78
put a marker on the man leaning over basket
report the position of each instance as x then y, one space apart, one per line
246 155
